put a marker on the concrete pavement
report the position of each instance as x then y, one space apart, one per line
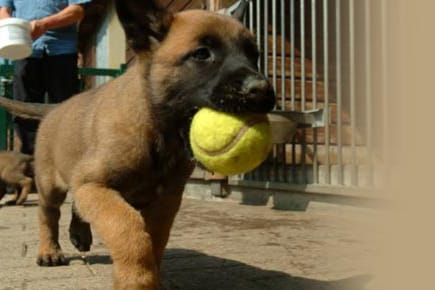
215 245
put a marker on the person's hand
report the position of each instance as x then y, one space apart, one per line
37 29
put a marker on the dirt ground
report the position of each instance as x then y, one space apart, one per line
215 245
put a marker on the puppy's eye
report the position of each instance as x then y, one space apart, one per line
201 54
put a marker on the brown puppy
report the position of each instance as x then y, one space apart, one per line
122 149
16 170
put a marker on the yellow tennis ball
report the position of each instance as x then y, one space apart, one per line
230 144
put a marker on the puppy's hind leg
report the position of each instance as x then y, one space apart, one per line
50 200
23 187
122 230
26 186
3 189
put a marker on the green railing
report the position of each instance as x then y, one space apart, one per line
6 75
100 72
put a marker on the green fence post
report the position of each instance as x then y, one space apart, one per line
3 118
122 68
9 119
3 129
6 71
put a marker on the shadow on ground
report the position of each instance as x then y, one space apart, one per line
184 269
7 201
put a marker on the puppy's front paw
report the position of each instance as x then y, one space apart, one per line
55 258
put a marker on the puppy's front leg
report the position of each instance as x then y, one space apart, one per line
122 229
159 217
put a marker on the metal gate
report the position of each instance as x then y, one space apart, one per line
326 54
319 54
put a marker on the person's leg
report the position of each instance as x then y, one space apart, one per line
28 86
61 77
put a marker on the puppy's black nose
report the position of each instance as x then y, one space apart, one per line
259 92
255 85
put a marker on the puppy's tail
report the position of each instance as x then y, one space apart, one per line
24 110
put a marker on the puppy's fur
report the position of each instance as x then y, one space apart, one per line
16 171
122 149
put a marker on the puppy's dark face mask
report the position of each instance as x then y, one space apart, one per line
209 62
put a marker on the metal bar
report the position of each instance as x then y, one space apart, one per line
258 29
256 174
292 82
339 86
302 85
283 55
354 174
274 49
314 53
266 38
314 86
368 92
326 87
274 83
265 170
251 15
303 54
292 53
283 87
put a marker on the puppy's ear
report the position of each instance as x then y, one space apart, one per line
237 10
144 22
240 10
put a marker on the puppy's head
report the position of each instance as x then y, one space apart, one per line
196 58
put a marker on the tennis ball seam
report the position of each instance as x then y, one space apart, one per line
233 142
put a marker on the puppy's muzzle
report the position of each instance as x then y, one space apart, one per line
245 91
